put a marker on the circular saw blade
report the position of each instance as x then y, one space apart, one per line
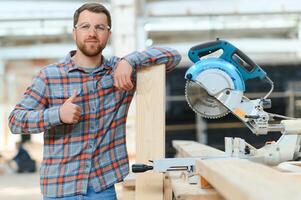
202 103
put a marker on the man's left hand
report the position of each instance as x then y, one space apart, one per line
122 75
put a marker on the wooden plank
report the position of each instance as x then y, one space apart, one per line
129 181
187 148
204 183
127 194
238 179
128 188
167 188
150 126
182 190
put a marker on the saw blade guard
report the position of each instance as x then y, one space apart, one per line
194 72
208 82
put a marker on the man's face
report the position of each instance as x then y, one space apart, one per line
91 33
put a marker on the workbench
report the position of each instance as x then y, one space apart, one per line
229 179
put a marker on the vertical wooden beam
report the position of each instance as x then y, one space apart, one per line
167 188
150 129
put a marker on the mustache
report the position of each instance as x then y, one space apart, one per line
91 39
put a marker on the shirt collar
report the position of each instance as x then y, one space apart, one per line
72 66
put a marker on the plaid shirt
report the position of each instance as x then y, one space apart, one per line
93 151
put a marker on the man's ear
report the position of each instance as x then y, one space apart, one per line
109 37
73 34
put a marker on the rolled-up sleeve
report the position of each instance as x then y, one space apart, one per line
154 56
31 114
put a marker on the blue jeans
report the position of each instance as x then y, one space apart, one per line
108 194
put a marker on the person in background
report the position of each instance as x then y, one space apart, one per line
81 105
22 162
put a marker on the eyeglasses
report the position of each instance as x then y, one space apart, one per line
99 28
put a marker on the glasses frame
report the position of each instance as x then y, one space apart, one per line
81 28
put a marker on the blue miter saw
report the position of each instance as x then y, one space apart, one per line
215 87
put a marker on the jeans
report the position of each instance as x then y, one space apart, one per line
108 194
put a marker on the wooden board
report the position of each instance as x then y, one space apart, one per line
150 122
238 179
129 181
182 190
167 189
127 194
187 148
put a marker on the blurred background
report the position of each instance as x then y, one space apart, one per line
36 33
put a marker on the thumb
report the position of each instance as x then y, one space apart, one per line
73 96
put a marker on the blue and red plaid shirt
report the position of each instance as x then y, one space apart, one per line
93 151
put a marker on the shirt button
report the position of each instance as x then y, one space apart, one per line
93 109
91 146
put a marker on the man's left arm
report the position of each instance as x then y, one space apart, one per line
138 60
154 56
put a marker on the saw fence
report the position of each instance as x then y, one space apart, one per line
224 179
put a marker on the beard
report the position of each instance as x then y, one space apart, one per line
90 50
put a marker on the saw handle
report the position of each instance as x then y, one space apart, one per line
201 50
138 168
246 66
241 61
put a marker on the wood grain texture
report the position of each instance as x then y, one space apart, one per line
204 183
167 188
129 181
187 148
150 122
238 179
182 190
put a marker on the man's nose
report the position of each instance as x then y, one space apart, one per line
92 31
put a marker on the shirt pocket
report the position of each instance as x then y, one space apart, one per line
58 95
112 95
106 82
58 92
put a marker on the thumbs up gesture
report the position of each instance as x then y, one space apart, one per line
70 112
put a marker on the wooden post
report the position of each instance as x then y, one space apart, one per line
150 129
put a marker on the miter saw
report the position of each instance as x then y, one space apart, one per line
215 87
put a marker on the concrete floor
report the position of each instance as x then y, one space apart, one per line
20 186
15 186
26 187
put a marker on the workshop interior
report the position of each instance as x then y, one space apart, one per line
237 88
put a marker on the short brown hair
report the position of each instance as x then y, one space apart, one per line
92 7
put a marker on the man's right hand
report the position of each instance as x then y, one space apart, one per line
70 112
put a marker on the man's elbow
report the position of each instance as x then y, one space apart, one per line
176 59
14 129
13 126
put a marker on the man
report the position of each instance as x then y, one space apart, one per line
81 105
